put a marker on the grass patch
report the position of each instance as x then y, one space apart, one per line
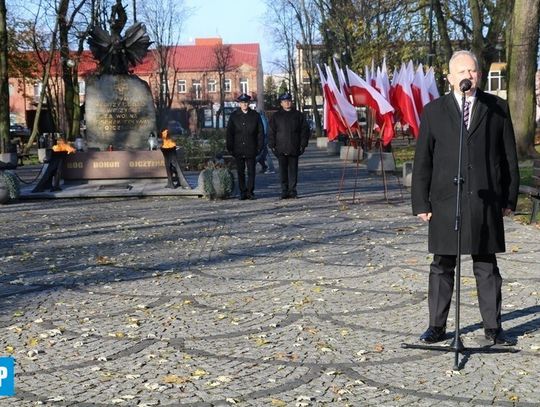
403 154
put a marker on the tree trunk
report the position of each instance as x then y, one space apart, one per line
4 80
45 80
522 65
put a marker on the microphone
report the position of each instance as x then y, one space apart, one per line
465 85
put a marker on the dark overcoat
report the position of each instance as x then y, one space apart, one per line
288 132
489 169
244 134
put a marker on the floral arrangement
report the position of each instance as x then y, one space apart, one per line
217 181
12 184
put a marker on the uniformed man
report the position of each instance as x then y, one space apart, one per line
244 142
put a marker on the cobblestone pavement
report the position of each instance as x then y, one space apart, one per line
183 301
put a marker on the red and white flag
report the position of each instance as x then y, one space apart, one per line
343 87
431 84
363 94
338 117
420 91
404 101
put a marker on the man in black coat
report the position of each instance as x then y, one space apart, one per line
490 184
288 136
244 141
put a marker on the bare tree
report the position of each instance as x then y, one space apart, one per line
522 66
283 25
164 19
68 17
222 65
306 15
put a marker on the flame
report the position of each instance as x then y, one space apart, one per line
167 142
61 145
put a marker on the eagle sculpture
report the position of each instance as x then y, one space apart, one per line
116 54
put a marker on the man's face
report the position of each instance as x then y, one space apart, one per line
286 104
463 67
244 106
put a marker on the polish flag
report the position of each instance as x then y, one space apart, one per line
404 101
419 89
431 84
336 121
343 87
363 94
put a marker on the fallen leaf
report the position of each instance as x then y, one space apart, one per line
199 373
174 379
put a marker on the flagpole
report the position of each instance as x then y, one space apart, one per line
382 164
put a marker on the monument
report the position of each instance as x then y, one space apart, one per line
120 117
120 112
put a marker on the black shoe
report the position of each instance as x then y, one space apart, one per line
433 334
284 196
251 197
497 336
243 197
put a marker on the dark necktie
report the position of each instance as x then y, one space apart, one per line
466 113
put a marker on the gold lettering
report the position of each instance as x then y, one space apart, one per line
140 164
106 164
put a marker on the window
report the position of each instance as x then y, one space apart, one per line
82 88
228 85
244 88
181 86
196 85
496 81
212 86
306 85
38 86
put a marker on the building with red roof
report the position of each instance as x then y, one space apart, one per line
192 79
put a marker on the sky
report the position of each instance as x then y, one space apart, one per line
235 21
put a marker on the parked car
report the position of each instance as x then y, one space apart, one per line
18 130
175 128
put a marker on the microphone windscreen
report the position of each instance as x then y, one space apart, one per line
465 85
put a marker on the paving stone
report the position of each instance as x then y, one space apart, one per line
180 301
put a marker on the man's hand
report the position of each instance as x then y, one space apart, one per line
506 212
424 216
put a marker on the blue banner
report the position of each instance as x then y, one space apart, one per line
7 376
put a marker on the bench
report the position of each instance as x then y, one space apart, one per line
533 192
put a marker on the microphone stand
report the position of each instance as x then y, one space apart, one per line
457 345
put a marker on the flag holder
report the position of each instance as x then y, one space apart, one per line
379 144
457 345
355 141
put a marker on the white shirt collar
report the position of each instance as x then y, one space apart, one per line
471 99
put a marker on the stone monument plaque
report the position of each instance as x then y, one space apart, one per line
119 111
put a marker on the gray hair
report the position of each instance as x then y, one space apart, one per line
463 52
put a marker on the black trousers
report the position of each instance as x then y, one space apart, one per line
288 174
241 164
488 286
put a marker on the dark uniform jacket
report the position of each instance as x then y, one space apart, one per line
489 168
244 134
288 132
